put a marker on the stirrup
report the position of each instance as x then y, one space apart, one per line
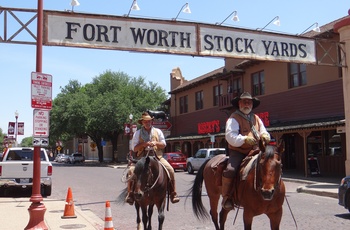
129 199
228 204
174 198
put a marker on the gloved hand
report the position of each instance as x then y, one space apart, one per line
250 141
265 138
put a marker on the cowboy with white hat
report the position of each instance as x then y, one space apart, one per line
243 131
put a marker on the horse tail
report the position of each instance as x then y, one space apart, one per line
121 198
197 204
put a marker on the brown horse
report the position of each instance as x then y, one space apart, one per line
262 192
150 188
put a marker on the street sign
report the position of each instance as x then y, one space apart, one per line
41 123
41 91
38 141
163 125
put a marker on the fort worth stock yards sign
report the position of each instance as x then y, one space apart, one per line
165 36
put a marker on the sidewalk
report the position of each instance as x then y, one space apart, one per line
14 211
14 215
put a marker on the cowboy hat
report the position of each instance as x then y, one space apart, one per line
145 116
245 95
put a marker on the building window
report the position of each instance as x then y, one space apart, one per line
235 86
184 104
297 74
258 80
324 143
217 92
199 100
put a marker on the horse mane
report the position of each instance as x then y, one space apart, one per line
269 151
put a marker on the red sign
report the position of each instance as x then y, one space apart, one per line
264 118
11 128
41 123
163 125
209 127
41 91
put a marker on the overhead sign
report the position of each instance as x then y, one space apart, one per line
41 123
164 125
41 92
165 36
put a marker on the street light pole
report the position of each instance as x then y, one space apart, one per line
16 127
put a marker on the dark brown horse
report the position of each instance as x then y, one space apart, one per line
262 192
150 188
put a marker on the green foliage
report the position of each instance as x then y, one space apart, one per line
100 108
27 142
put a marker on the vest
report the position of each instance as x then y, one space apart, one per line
154 137
245 130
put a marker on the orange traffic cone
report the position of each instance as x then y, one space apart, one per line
108 217
69 207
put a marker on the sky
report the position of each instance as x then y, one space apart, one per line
17 61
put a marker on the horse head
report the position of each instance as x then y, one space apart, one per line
144 172
269 169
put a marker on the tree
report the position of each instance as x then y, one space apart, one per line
27 142
100 109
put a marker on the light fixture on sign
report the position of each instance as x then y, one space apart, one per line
315 29
133 6
74 3
234 18
186 9
276 21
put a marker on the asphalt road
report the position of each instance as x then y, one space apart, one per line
93 186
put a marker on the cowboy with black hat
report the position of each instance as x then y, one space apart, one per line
147 140
243 131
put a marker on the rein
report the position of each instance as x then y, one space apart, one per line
156 181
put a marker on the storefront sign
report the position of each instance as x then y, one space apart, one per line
209 127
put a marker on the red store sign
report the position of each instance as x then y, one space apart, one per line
209 127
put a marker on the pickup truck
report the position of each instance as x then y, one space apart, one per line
16 170
195 162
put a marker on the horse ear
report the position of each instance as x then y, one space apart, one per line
280 147
261 145
148 160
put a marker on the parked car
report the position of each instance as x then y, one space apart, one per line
344 193
62 158
195 162
176 159
76 158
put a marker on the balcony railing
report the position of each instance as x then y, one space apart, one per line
225 100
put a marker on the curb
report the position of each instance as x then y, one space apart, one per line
303 189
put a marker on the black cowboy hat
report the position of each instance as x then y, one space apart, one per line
245 95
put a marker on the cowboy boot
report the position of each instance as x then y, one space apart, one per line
227 202
130 196
173 195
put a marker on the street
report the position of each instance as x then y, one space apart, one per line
93 186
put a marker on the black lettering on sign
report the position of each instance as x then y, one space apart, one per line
161 37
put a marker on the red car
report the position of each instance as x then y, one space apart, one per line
177 160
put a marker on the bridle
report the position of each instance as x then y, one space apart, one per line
258 165
150 185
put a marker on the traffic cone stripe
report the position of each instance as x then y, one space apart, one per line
108 217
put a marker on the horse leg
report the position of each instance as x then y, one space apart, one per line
150 213
144 217
223 218
138 219
161 215
275 219
248 220
214 200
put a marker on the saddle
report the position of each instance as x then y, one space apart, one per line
219 164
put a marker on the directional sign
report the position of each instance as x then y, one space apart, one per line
41 91
163 125
41 123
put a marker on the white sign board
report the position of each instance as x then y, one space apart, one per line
41 91
38 141
41 123
159 36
